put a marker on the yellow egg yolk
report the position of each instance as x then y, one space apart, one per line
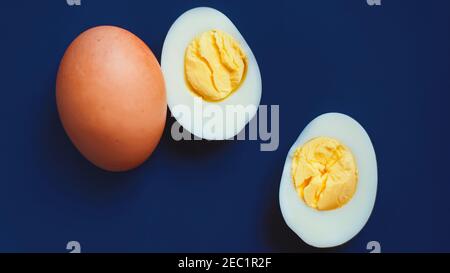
325 173
215 65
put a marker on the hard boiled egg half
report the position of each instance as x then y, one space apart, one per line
329 181
212 78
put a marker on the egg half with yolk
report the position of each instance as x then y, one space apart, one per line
329 181
212 78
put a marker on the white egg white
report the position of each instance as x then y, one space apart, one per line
333 227
188 26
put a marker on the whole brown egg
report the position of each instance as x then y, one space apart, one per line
111 97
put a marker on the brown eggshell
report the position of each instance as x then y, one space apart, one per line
111 98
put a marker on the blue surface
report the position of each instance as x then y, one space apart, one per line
388 67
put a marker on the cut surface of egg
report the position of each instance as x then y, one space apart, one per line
335 148
212 78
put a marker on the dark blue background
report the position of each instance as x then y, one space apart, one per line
388 67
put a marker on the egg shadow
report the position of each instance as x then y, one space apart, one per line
280 237
192 148
59 160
